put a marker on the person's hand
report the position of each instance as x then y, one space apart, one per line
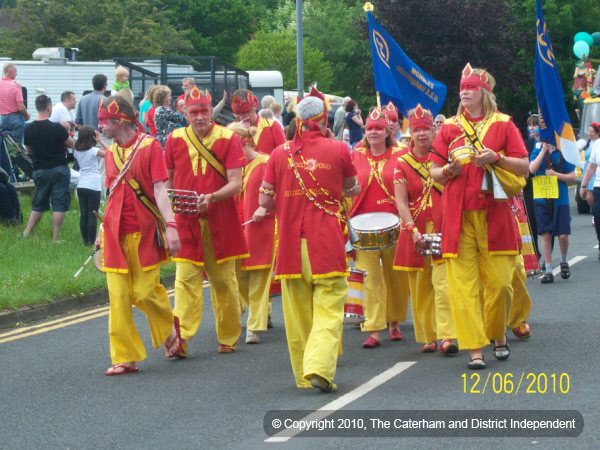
259 214
98 241
351 191
551 173
486 156
224 96
26 116
583 192
418 240
454 168
329 134
173 242
203 201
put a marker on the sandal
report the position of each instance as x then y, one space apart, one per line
429 348
371 342
502 352
565 273
176 348
395 334
224 348
121 369
449 347
547 278
476 363
523 331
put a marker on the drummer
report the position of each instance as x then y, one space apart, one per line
386 290
419 204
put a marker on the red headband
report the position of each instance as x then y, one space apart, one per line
196 98
390 112
595 124
421 118
113 112
241 106
377 118
470 79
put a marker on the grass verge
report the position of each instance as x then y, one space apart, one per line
36 270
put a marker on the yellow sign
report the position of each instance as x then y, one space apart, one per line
545 187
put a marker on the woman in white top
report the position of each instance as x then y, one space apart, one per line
88 186
594 169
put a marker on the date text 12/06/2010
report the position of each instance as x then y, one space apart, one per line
528 383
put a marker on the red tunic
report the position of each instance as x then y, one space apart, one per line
192 172
150 121
407 257
147 168
260 237
269 135
499 133
298 217
372 197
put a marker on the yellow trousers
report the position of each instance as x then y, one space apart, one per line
313 310
386 289
142 289
189 279
479 320
254 294
521 302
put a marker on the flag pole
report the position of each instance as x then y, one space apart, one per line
368 7
378 99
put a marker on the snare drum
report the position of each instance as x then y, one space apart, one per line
463 155
375 231
353 309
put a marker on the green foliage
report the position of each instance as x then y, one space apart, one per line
277 51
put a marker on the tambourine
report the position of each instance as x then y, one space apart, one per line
183 201
433 244
463 155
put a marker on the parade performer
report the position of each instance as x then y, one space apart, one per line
386 290
133 239
419 204
393 124
269 133
255 273
479 235
208 159
303 182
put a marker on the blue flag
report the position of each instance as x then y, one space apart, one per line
397 78
555 126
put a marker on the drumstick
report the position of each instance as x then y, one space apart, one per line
84 264
252 220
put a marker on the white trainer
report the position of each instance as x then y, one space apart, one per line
252 337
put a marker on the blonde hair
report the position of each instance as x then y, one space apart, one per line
159 95
276 108
120 71
126 94
150 92
489 99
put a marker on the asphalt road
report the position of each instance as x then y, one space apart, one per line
53 393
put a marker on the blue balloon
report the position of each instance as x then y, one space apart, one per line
583 36
581 48
596 37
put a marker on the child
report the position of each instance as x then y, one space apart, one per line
88 186
121 79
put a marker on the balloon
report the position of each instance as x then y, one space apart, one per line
585 37
596 37
581 48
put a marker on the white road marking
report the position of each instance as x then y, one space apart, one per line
345 399
596 246
571 262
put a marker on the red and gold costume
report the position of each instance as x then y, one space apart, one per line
210 241
479 235
269 133
131 256
307 176
255 276
386 290
427 275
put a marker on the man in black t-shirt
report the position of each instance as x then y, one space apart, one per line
47 141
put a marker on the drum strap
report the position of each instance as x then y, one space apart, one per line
377 175
421 169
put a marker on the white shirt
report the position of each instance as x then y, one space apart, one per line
89 170
595 158
60 113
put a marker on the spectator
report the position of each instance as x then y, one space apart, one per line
438 122
180 108
593 170
533 129
13 113
290 112
121 79
219 107
552 215
63 112
290 131
267 101
338 121
276 110
47 141
145 106
88 185
165 119
87 109
266 114
593 133
10 209
187 84
354 122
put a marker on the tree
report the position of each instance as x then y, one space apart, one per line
99 29
277 51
